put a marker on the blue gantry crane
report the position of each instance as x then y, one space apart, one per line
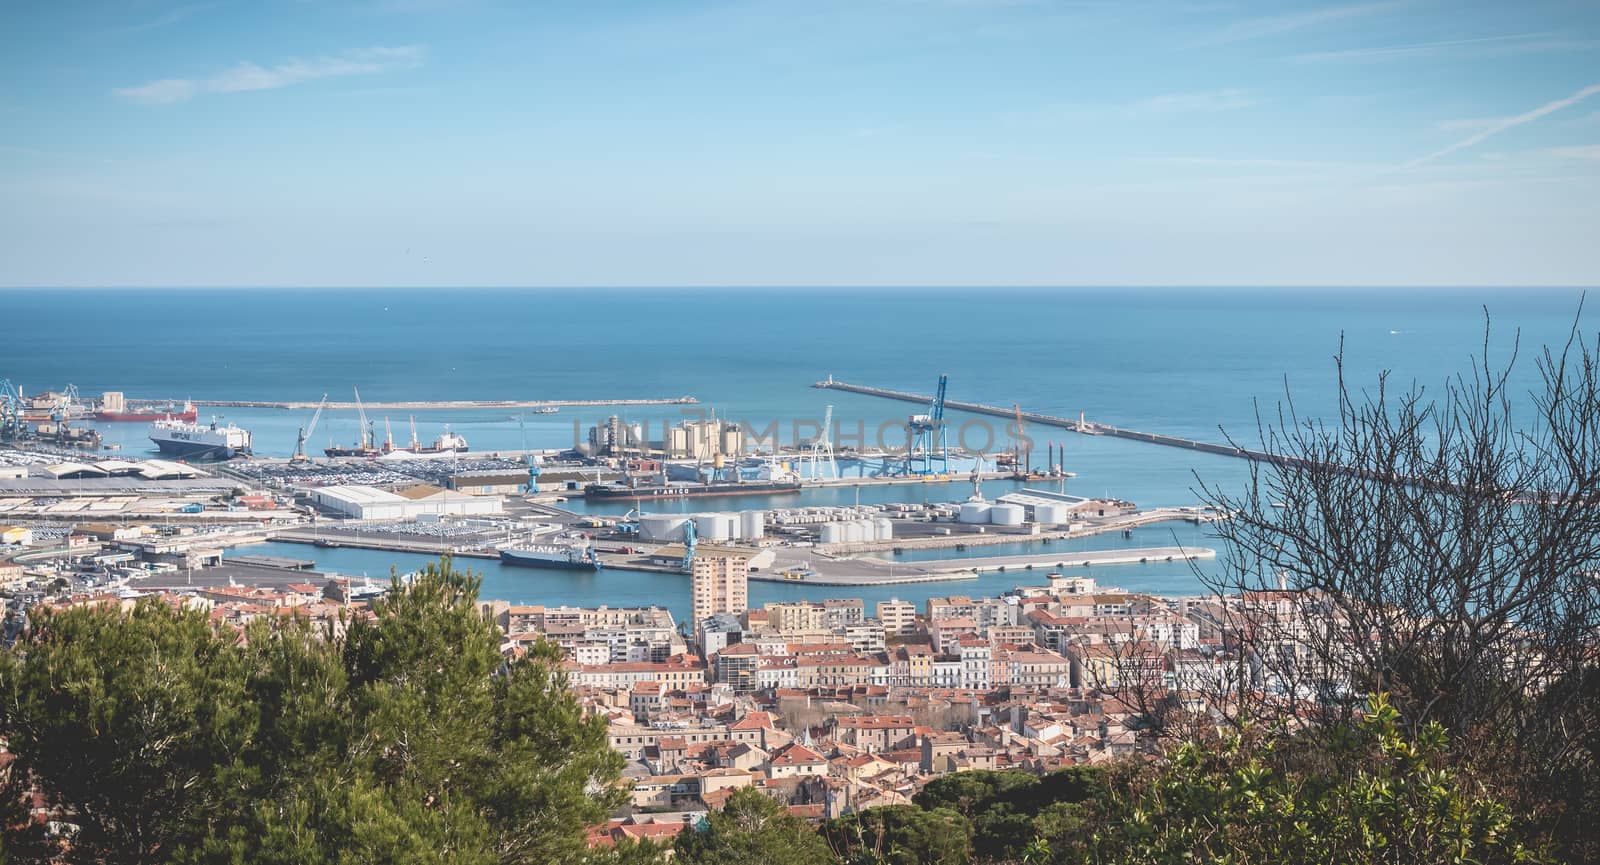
688 545
532 486
930 447
10 411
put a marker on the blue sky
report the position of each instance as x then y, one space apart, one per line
861 142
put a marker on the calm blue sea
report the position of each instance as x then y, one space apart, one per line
1190 362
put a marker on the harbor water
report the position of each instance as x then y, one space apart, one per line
1197 363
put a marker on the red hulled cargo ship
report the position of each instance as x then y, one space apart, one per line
146 414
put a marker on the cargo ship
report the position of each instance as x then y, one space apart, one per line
172 411
198 441
551 556
678 490
447 443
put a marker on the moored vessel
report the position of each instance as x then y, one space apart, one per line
685 490
170 411
200 441
553 556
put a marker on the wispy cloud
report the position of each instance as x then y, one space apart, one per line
1276 25
1513 43
1252 163
1505 123
1589 152
166 19
247 77
1226 99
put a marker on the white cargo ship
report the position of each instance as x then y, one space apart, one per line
200 441
549 556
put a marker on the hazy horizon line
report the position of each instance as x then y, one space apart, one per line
832 286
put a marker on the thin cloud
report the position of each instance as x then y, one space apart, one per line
1227 99
1514 43
1589 152
1503 124
247 77
1277 25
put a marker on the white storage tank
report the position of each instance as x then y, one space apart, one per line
832 533
711 527
1007 515
1051 514
753 525
869 530
975 512
662 527
885 529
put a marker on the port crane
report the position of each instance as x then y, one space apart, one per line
366 433
822 451
64 410
689 543
532 486
10 410
929 442
305 433
1022 462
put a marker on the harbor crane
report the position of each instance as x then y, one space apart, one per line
10 410
689 543
532 486
1022 462
64 409
366 428
930 445
305 433
821 457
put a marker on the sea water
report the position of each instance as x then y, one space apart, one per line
1198 363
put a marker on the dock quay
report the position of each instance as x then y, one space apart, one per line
995 535
1088 559
792 566
425 547
437 404
1077 425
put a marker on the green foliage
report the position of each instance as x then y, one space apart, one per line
1009 810
405 739
129 720
1386 798
752 830
901 835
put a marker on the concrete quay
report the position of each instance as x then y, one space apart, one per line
792 567
963 534
1082 559
1086 427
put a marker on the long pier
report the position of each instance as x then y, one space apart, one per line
1077 425
429 404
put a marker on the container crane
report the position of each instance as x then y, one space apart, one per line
366 429
532 486
1023 462
929 442
10 410
688 545
69 400
305 433
822 463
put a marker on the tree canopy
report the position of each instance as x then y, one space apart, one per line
752 829
405 738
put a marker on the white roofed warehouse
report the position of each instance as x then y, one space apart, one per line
371 503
